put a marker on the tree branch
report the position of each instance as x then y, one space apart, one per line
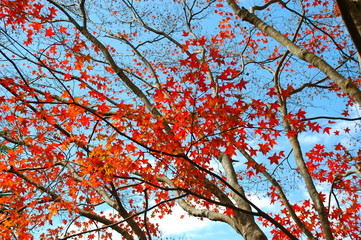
346 84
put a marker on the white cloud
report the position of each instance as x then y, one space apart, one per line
192 228
173 224
309 139
263 203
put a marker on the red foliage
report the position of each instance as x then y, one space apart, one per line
108 106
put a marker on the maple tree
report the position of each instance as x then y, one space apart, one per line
136 106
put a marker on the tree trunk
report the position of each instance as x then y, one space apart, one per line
351 14
250 231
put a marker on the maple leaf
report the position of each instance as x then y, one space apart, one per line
327 130
291 133
301 114
63 29
36 26
228 73
264 147
229 212
272 92
52 13
103 108
67 76
201 41
49 32
275 158
250 173
345 113
11 118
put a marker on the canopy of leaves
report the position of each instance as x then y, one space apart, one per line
135 106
